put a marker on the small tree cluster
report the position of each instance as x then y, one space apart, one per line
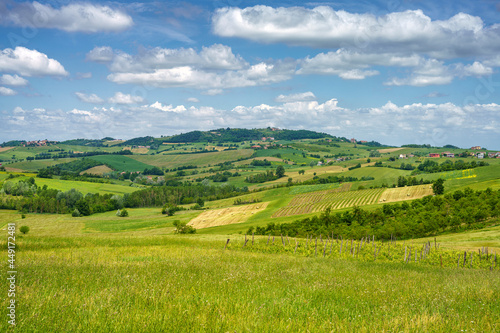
183 228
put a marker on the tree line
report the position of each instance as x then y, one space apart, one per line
429 216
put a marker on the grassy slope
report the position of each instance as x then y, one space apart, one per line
32 166
173 161
84 187
74 279
122 163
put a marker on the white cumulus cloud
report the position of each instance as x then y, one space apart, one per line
102 54
121 98
89 98
168 108
410 31
28 62
7 91
13 80
306 96
84 17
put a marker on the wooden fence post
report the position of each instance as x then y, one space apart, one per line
226 243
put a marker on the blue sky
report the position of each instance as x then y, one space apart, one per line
393 71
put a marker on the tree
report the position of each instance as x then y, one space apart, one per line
83 207
24 229
183 228
438 186
280 171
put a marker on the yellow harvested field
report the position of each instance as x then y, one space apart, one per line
269 158
406 193
137 150
2 149
389 150
114 142
223 216
218 148
97 170
13 169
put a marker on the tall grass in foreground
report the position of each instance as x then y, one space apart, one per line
191 284
367 249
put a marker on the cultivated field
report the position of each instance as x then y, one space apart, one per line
97 170
122 163
3 149
389 150
176 160
224 216
406 193
335 199
137 150
31 166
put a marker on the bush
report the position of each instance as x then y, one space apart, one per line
183 228
169 209
24 229
196 207
124 213
75 213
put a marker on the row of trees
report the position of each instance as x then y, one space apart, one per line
430 166
269 175
428 216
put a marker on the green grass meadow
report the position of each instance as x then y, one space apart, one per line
121 162
145 279
84 187
201 159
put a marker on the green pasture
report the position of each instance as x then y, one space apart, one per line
122 162
74 276
84 187
202 159
382 175
478 178
33 166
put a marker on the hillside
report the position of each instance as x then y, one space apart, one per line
285 223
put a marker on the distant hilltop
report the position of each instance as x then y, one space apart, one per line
215 136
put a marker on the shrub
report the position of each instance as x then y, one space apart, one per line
183 228
24 229
196 207
75 213
124 213
169 209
